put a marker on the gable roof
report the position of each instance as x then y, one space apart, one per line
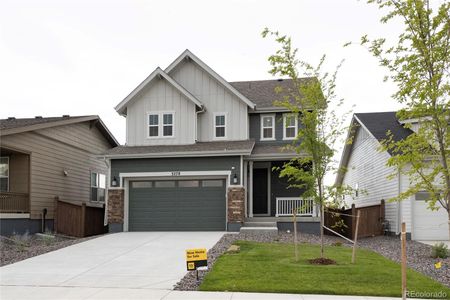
189 55
377 124
157 73
262 92
13 126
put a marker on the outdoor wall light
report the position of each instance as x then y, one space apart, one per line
66 173
234 178
114 181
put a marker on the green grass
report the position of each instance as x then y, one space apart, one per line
270 267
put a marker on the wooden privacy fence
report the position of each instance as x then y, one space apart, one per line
79 219
370 223
14 202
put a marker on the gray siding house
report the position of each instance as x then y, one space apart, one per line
43 158
200 153
366 171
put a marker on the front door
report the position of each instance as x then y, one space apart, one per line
260 186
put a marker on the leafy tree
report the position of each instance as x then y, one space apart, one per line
419 64
315 104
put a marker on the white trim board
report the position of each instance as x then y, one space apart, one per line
14 216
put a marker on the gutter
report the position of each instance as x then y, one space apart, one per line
399 214
179 154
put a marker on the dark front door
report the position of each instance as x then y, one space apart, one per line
260 185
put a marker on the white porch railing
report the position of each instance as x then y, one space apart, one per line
304 207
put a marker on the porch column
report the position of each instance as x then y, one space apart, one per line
245 181
115 209
250 189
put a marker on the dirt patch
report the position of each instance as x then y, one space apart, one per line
19 247
321 261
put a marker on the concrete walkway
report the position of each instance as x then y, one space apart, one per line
53 293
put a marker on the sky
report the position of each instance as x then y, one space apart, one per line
83 57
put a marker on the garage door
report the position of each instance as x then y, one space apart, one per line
177 205
429 225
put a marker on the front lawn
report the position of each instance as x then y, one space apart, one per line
270 267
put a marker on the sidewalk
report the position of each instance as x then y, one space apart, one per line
49 293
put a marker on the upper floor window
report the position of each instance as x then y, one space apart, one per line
220 124
98 186
267 127
290 126
160 124
4 174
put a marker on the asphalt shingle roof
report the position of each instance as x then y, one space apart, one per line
11 123
245 146
262 92
379 123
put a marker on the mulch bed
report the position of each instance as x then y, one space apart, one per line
418 254
27 246
321 261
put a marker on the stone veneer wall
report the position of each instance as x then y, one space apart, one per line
115 209
236 207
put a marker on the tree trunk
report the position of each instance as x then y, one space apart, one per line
321 230
448 221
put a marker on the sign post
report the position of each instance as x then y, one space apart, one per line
196 258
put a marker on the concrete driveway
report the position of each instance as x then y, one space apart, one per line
136 260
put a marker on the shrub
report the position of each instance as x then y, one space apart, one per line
439 250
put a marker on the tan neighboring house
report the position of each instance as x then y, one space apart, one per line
44 158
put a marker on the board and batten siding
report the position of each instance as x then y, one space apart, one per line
160 96
367 168
216 98
72 148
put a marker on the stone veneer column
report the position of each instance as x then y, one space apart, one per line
236 207
115 209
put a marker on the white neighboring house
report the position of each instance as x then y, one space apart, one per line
366 172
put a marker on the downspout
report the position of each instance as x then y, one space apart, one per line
202 110
105 219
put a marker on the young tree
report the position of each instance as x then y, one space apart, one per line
419 64
314 101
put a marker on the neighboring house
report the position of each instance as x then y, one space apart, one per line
366 172
43 158
200 153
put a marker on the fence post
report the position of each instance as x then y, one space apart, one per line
83 219
294 216
382 212
356 236
403 238
353 227
55 214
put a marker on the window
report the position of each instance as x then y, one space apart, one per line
267 127
164 184
153 125
422 196
290 125
141 184
220 125
160 124
4 174
167 124
188 183
212 183
98 185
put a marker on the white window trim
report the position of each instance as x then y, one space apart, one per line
97 175
262 127
284 126
7 158
160 124
224 126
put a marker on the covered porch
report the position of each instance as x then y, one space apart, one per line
14 182
269 197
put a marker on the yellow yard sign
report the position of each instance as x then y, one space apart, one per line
196 258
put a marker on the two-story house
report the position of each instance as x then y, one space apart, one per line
200 154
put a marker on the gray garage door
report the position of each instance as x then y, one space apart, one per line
171 205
